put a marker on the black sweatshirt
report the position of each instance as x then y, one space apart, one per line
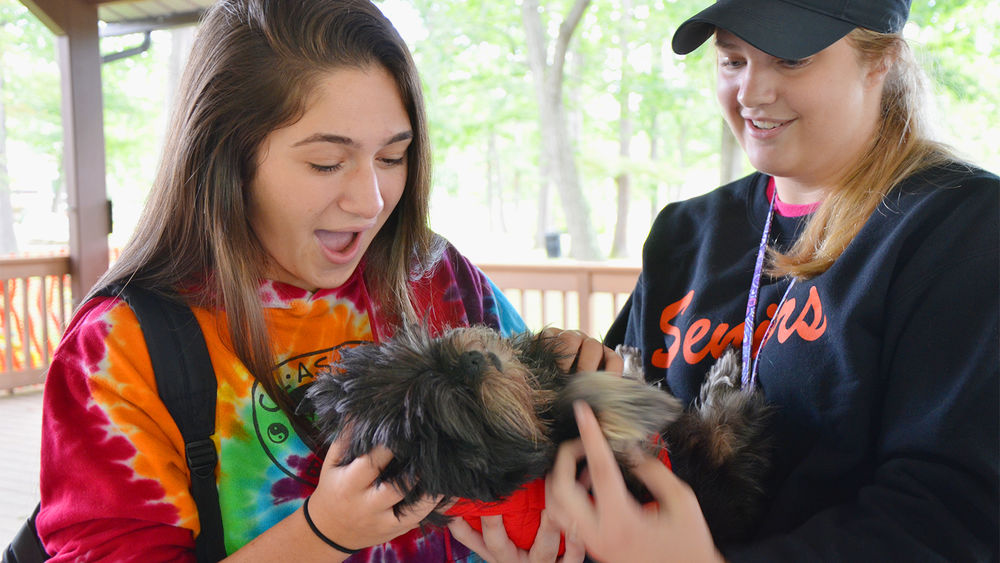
884 369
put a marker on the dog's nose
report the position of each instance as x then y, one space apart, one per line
474 362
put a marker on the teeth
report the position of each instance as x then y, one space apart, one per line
765 124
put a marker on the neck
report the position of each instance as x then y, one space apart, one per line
793 192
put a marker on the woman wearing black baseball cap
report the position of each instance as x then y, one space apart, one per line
858 270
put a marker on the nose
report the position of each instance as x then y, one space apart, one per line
473 363
756 86
363 196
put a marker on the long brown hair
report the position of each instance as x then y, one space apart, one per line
900 147
251 69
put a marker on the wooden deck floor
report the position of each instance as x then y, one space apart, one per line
20 435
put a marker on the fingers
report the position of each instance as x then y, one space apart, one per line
665 487
575 552
413 514
364 471
545 548
567 502
605 474
337 448
584 353
496 539
468 537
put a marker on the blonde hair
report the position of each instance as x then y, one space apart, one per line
251 71
900 148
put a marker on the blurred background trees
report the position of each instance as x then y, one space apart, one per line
562 121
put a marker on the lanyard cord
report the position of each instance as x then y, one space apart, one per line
748 378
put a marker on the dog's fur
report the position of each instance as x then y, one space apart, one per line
473 415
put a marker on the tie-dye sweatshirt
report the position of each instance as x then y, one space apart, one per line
114 481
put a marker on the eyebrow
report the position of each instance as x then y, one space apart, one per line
342 140
725 44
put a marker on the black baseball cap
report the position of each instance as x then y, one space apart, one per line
790 29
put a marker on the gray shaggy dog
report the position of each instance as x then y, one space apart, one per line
472 415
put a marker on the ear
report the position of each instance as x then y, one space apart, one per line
877 71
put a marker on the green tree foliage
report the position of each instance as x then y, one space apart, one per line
133 92
29 98
484 114
473 61
31 92
956 42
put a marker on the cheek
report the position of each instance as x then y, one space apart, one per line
726 92
392 189
256 204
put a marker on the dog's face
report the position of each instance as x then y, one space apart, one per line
462 414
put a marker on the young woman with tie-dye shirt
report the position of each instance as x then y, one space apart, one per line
290 212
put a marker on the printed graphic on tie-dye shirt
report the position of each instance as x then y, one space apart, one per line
267 469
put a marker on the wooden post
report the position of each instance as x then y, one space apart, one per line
83 148
78 45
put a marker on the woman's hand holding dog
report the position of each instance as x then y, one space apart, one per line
611 524
350 509
494 546
584 353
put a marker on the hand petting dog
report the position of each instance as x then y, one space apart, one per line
605 517
373 520
582 353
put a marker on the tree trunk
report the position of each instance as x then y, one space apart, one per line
543 221
619 245
654 155
556 142
494 185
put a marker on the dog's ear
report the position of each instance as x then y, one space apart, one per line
326 400
630 412
540 355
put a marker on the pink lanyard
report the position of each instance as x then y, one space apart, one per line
749 373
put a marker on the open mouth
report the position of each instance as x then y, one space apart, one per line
337 242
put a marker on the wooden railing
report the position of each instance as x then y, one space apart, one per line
35 304
578 295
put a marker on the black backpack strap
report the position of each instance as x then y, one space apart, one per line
187 385
26 547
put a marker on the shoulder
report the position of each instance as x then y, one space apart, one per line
103 335
449 263
735 193
454 291
942 220
953 181
954 174
954 196
723 202
729 211
97 318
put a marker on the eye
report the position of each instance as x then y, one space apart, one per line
390 162
731 62
324 169
794 63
